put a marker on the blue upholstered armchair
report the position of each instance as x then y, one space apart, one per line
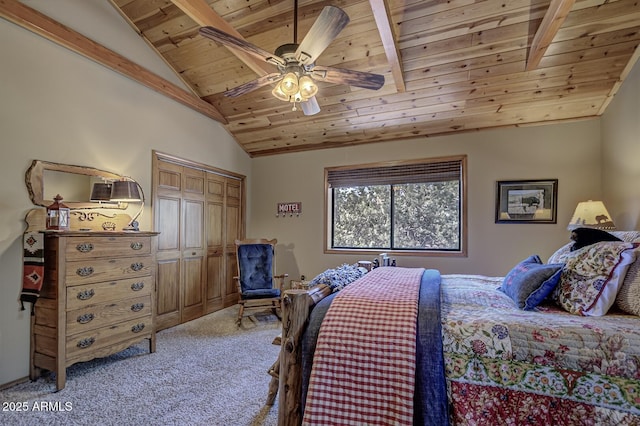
258 285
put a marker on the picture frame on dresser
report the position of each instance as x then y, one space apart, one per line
527 201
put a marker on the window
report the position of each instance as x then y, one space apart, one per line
414 206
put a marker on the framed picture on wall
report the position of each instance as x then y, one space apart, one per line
527 201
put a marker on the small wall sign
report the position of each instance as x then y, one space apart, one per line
291 208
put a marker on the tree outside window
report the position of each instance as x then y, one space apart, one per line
412 206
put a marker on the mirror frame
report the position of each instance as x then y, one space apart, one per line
34 178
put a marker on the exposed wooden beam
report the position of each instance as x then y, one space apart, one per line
203 15
32 20
382 17
551 23
143 36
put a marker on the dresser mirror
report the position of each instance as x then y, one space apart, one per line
74 183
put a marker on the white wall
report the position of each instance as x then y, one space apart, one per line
568 152
58 106
621 154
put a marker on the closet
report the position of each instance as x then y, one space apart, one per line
200 212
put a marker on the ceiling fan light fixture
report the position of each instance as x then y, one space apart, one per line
296 62
279 93
310 107
289 83
308 87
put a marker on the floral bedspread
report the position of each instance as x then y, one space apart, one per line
508 366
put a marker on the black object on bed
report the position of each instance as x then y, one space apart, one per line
586 236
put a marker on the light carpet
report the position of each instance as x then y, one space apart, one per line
208 371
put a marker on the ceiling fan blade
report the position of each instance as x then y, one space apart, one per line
366 80
232 41
252 85
311 106
326 28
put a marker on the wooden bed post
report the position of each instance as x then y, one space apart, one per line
296 308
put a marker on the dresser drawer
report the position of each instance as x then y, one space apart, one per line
85 343
95 270
88 247
97 293
96 316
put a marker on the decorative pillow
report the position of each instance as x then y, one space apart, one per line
628 297
592 276
560 256
339 277
586 236
531 281
627 236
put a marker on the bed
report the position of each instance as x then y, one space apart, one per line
560 362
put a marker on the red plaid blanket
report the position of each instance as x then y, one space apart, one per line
365 360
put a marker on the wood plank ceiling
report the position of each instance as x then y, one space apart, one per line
449 66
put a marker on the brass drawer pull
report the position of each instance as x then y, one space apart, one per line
136 245
84 247
138 328
137 266
86 342
137 307
85 318
86 294
137 286
85 271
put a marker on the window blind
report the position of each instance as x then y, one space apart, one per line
429 171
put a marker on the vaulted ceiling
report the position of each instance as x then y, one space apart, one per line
449 66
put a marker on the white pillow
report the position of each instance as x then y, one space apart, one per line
614 283
560 255
592 276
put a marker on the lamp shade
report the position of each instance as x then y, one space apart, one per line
308 87
125 190
591 214
101 192
279 93
289 84
310 107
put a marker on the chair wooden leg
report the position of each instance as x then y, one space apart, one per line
240 313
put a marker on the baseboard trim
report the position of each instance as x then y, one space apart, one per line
13 383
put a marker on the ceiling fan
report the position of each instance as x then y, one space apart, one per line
297 70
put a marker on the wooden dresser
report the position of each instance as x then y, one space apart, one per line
98 298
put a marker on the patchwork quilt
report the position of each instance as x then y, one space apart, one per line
547 366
